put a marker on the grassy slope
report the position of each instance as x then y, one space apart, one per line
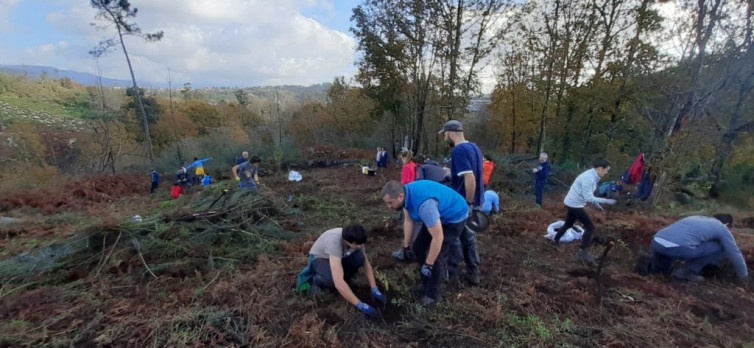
46 102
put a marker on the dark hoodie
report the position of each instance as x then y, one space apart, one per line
431 170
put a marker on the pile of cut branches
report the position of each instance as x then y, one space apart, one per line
220 225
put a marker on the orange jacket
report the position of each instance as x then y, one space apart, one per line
487 167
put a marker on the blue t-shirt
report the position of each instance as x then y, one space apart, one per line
491 201
246 172
429 214
467 158
451 207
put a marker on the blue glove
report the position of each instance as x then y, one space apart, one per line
427 270
364 308
377 295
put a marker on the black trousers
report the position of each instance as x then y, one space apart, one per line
451 233
580 215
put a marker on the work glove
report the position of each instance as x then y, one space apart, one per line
377 295
238 179
408 255
366 309
611 201
427 270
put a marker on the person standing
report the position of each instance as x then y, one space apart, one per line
443 213
467 179
199 171
334 259
247 173
541 174
581 193
244 158
408 172
154 179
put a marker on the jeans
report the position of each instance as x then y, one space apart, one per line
464 247
451 232
323 273
539 188
707 253
580 215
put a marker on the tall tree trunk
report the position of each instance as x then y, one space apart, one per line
138 98
552 32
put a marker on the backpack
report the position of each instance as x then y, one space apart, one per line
605 188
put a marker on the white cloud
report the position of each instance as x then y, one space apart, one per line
6 9
209 42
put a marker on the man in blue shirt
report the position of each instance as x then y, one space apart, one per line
541 173
698 241
467 179
244 158
247 173
443 214
581 193
491 201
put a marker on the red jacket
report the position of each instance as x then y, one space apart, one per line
175 192
408 173
636 169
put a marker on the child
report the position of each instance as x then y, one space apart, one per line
175 191
154 178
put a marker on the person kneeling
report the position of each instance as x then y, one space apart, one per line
334 259
698 241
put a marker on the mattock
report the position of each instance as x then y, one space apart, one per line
597 276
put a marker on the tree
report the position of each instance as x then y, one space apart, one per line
119 14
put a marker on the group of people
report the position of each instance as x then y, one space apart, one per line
436 236
245 172
434 226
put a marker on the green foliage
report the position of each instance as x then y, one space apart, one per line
151 107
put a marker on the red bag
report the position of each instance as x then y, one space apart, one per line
175 192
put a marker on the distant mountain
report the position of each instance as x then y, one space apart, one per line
35 72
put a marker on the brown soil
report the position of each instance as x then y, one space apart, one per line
531 293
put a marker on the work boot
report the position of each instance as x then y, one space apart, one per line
553 243
474 277
684 274
399 255
585 257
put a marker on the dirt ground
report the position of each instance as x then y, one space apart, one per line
531 294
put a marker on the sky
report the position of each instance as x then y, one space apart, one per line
231 43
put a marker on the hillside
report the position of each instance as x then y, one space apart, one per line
36 72
195 272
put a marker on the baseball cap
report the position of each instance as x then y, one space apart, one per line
451 126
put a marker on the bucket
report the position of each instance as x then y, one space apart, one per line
478 221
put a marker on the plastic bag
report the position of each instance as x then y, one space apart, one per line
573 233
294 176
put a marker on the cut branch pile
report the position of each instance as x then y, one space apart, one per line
221 225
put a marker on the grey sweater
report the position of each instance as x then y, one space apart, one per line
695 230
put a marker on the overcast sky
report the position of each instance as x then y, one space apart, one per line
235 43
